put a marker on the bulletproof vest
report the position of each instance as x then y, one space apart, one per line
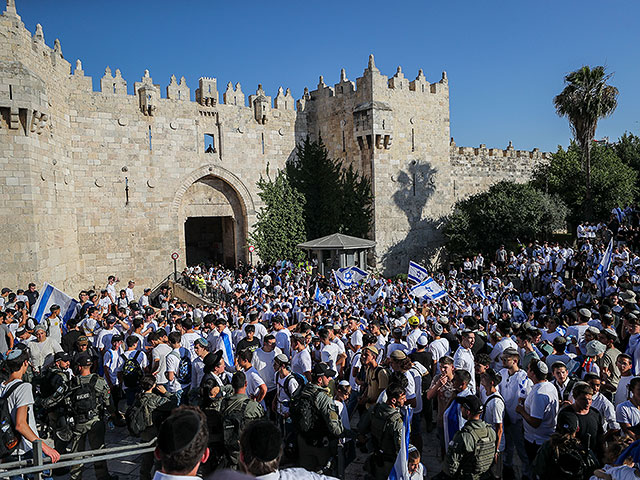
381 422
481 459
84 399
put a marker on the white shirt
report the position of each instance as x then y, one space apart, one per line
622 391
607 410
512 389
627 412
301 362
263 363
329 354
21 396
464 359
284 396
113 363
187 342
254 380
160 353
541 403
494 413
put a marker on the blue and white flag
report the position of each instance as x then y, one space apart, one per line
618 213
417 273
519 315
345 277
319 297
400 469
605 263
255 287
478 289
51 295
379 294
428 288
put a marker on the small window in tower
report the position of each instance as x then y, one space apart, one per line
209 143
413 140
263 143
150 145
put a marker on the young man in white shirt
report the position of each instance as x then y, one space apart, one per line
161 349
113 363
133 352
628 412
256 388
173 359
263 362
463 357
301 359
20 405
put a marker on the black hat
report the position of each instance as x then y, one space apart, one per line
211 360
471 403
64 356
84 359
179 430
322 369
117 338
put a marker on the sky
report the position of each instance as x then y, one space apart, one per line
505 60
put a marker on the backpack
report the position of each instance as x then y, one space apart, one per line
9 438
131 370
84 401
184 368
302 409
232 423
485 448
301 379
138 417
574 462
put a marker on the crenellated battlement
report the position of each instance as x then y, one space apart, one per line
481 152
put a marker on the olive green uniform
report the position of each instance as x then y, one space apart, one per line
472 446
384 423
53 404
252 411
91 428
159 407
317 446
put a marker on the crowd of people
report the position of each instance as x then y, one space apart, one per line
525 369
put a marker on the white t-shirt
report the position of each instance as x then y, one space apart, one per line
282 395
301 362
329 354
160 353
139 356
627 412
263 363
464 359
622 391
494 412
254 380
173 365
21 396
113 363
542 403
187 342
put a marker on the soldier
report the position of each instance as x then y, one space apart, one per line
89 397
53 390
473 447
315 418
383 421
237 410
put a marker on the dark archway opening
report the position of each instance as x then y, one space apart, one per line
210 240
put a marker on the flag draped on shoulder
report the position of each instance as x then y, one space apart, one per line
428 288
478 289
345 277
400 469
51 295
417 273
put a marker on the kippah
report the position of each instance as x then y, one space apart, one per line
263 442
178 431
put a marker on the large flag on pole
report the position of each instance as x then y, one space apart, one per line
345 277
478 289
417 273
51 295
428 288
605 263
400 469
319 297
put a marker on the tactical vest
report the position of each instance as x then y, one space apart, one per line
381 434
480 460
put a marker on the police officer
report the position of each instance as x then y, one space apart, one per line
89 397
473 448
54 389
240 407
317 443
383 422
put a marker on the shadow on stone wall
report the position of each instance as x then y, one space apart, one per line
416 185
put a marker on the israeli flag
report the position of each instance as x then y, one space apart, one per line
478 289
51 295
345 277
255 287
319 297
605 263
618 213
400 469
379 294
417 273
428 288
519 315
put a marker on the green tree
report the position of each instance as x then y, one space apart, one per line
506 213
337 199
613 183
628 149
280 226
585 99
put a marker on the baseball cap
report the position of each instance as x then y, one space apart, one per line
64 356
84 359
471 403
322 369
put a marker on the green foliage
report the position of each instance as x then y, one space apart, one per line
628 149
280 226
613 182
338 200
507 212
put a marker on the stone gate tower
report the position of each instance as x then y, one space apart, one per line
114 181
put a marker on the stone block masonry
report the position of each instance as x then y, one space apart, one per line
99 183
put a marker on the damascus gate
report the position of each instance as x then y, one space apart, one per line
113 181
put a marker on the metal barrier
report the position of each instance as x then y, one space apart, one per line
40 464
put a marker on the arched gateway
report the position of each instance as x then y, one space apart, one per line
213 209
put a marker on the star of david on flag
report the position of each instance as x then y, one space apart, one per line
417 273
428 288
345 277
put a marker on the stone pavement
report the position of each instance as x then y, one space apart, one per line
128 468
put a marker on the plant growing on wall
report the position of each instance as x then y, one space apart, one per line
280 226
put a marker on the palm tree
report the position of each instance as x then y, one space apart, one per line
586 98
